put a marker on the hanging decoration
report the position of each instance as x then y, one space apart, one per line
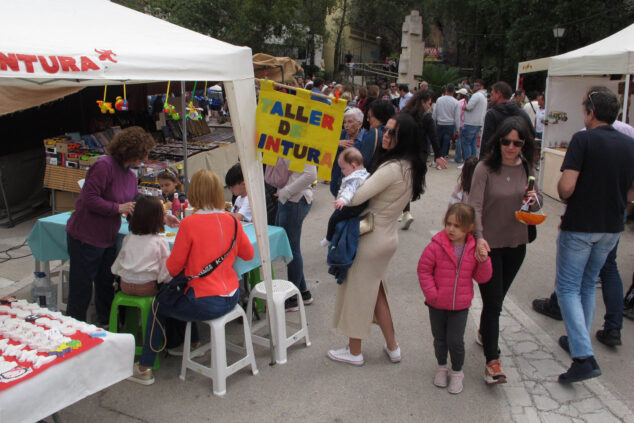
104 106
121 104
168 108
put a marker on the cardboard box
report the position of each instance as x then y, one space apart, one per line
64 201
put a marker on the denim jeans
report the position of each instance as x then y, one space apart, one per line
469 141
459 154
580 256
444 137
188 308
87 264
290 216
612 289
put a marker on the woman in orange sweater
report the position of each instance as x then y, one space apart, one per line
201 239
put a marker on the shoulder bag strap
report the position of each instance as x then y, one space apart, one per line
376 140
214 264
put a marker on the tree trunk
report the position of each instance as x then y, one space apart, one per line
337 58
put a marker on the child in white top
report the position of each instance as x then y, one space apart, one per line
460 193
141 260
351 163
234 180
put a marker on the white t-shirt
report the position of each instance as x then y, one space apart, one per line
242 206
540 115
142 259
403 101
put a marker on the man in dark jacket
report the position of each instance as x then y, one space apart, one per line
501 108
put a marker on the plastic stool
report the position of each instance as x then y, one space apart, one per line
253 278
219 371
64 278
282 290
132 304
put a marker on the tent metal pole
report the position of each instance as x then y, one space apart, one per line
626 97
184 130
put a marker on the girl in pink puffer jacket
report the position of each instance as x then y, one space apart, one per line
445 271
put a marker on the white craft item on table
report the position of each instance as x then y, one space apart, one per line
42 360
5 366
12 350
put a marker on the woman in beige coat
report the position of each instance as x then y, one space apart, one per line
399 177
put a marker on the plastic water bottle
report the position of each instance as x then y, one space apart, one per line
43 292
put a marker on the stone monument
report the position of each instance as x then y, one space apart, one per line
411 60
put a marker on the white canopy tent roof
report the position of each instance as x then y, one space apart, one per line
611 55
52 49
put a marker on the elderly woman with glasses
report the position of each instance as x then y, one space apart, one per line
351 133
498 188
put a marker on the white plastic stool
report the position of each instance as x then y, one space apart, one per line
282 290
64 278
219 371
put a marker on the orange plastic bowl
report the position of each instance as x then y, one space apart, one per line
529 218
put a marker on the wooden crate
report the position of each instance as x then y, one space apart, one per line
63 178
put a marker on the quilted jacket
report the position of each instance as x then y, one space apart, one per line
447 284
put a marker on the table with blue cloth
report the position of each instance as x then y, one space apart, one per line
47 242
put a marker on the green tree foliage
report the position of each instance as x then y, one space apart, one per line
438 76
244 22
492 36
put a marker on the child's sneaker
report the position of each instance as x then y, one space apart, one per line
455 382
440 380
345 356
400 218
324 242
143 378
493 372
394 355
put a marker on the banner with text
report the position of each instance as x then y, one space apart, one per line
297 128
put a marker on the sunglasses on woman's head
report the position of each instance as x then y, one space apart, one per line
517 143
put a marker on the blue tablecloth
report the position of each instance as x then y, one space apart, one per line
47 241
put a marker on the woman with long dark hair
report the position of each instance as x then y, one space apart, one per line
498 188
419 107
398 176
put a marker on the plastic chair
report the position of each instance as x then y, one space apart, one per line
64 278
132 303
218 371
282 290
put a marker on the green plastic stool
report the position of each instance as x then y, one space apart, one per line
132 304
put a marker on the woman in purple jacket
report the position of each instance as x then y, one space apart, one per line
92 229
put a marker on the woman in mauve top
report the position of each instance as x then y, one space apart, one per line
107 194
498 188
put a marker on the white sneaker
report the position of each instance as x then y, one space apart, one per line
324 242
344 355
394 355
400 218
461 166
408 221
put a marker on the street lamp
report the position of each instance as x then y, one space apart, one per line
558 32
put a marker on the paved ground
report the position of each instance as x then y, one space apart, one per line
312 388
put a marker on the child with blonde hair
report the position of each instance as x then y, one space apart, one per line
445 272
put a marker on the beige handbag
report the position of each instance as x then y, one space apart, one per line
366 224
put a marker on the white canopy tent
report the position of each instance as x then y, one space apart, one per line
571 74
51 49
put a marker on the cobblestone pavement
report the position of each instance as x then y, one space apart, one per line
532 363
